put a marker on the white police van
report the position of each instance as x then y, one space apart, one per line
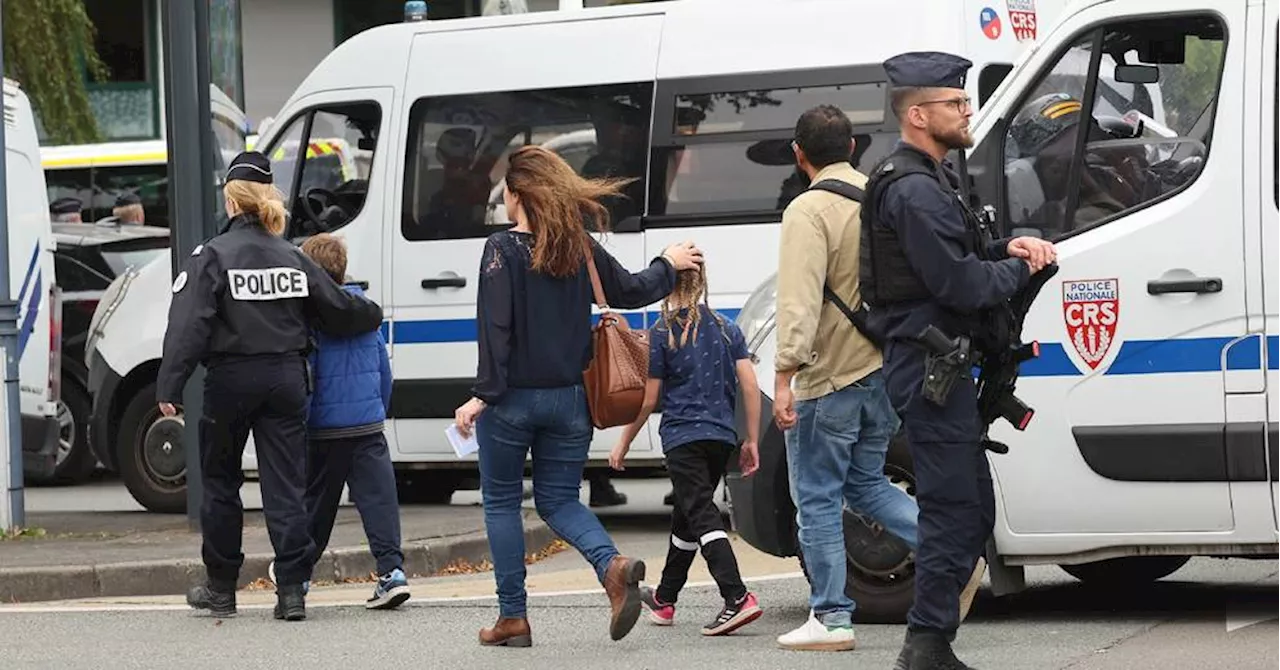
1155 436
696 99
32 284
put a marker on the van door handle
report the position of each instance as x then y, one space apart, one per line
445 282
1192 285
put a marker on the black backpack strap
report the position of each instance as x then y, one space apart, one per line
857 318
843 188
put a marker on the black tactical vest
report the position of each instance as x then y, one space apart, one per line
884 274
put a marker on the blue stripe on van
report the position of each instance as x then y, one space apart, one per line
32 300
1136 357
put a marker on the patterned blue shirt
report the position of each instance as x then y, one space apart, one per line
699 382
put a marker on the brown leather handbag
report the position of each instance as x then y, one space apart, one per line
619 368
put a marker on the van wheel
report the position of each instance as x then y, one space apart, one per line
880 567
75 461
153 462
1126 571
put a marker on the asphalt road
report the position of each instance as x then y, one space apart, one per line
1210 614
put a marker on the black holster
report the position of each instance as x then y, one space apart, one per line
948 361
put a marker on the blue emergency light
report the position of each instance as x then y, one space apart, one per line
415 10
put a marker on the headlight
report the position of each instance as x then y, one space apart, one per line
107 304
756 317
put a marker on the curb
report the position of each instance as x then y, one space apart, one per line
422 558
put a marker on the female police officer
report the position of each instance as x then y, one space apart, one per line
243 306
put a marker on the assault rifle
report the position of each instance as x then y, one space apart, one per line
1001 353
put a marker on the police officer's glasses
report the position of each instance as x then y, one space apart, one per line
961 104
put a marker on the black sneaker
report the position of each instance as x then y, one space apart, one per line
734 616
291 604
220 604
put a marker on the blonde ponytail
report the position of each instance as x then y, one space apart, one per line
263 200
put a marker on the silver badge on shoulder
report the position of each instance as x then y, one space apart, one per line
197 250
180 281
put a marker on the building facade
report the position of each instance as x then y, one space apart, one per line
259 51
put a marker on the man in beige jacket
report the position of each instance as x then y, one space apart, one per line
829 392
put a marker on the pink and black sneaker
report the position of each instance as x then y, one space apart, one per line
660 613
734 616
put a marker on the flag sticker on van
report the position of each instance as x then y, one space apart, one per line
989 19
1091 308
1022 19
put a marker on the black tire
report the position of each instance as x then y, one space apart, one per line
151 456
75 460
1127 571
880 575
426 487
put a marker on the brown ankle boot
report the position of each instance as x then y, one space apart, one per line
507 633
622 584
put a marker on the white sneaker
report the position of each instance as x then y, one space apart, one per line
815 636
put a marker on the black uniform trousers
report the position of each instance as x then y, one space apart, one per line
953 487
268 395
696 470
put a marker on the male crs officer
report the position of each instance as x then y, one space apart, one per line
925 262
243 305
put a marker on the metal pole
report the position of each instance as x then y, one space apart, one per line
190 183
13 508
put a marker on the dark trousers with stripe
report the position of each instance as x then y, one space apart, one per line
696 469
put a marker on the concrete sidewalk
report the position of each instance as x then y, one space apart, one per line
111 554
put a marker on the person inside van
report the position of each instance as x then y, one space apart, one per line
128 209
533 317
460 203
66 210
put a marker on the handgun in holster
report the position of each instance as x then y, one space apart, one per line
949 360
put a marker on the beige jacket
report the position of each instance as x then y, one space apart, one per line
820 240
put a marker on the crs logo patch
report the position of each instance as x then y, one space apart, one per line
1022 18
989 19
1091 309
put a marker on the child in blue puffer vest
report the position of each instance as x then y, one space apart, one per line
345 440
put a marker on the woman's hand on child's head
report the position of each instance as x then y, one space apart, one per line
683 255
618 455
749 459
465 416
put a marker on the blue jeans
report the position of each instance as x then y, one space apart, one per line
836 454
555 426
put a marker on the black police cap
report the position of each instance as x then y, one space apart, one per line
927 69
126 199
66 205
250 166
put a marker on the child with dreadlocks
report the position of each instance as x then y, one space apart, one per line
697 358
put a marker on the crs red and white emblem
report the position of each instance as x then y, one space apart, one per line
1022 19
1091 308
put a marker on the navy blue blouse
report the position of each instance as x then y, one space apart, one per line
534 330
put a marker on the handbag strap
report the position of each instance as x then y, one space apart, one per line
595 278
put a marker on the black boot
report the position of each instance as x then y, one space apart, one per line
219 601
603 494
291 603
930 650
904 656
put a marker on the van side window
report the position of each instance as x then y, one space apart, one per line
330 188
728 151
1149 105
457 149
990 78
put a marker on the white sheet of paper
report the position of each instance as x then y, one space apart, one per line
462 446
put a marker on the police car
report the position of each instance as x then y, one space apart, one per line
1155 433
696 99
32 284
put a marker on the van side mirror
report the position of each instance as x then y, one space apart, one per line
1137 74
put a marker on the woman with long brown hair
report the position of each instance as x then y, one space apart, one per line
534 331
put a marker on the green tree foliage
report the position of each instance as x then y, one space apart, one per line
1190 87
48 48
